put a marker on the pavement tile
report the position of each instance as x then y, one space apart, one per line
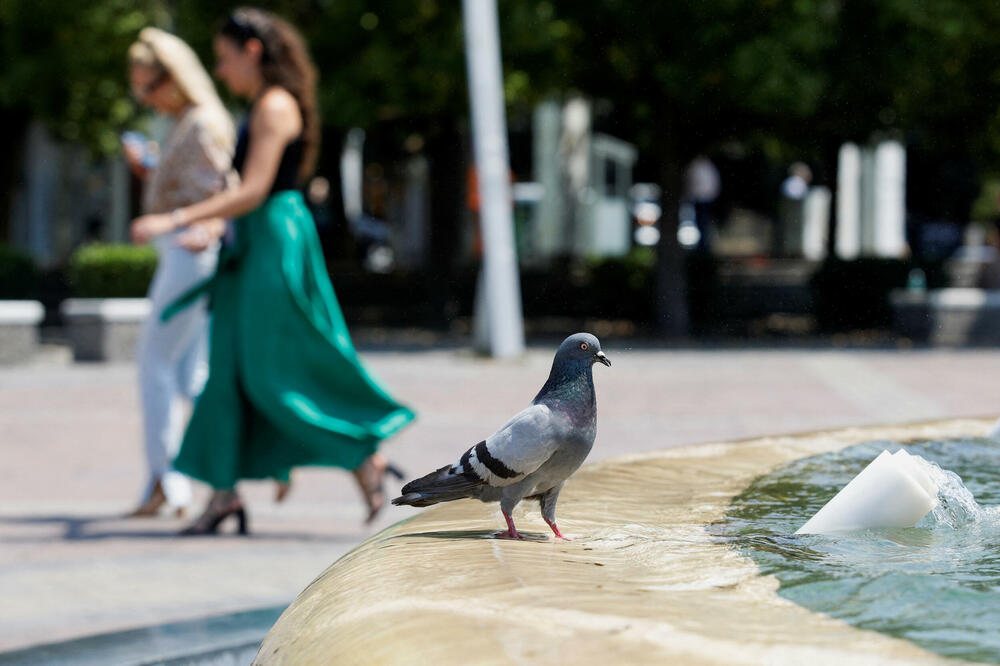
70 440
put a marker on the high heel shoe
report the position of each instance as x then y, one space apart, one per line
281 490
220 507
370 476
395 471
152 504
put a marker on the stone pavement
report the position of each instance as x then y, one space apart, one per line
72 463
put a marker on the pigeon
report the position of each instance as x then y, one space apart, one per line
534 453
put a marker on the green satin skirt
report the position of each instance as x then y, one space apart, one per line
286 387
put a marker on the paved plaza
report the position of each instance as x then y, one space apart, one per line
70 437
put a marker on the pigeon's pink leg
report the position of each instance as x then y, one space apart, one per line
511 532
555 529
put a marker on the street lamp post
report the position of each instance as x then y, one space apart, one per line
504 322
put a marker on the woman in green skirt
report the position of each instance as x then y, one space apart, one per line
286 387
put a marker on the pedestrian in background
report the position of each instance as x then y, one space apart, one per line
791 210
194 163
286 387
702 185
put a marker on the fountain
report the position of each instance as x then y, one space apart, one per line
876 556
893 491
686 555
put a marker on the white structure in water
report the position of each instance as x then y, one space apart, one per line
892 491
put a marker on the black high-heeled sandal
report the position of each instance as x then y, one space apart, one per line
217 511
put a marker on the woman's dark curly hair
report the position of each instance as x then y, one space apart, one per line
284 62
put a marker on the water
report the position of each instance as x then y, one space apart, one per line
936 584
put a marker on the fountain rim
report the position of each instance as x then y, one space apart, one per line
312 622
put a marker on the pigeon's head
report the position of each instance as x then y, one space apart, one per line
583 349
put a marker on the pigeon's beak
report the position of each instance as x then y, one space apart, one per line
603 359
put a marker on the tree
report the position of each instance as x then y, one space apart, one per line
685 77
397 70
792 78
64 64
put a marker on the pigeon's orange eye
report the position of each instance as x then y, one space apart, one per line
584 346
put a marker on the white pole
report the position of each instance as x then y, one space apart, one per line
890 200
848 243
504 321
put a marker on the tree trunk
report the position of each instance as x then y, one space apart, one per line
446 151
831 164
15 124
671 311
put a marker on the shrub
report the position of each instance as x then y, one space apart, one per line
855 294
111 270
18 274
623 287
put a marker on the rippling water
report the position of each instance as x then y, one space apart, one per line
937 584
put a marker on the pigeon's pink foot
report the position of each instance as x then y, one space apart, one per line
511 532
555 530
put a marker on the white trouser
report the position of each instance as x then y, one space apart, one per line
173 362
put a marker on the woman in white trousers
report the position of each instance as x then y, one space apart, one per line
173 367
194 163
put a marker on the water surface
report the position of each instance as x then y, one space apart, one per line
937 584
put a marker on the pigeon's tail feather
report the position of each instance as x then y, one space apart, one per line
442 485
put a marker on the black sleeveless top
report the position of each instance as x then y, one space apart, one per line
288 170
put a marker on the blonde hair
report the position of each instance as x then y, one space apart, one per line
168 53
141 54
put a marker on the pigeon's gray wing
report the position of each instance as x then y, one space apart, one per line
519 448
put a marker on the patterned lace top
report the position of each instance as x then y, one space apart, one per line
195 160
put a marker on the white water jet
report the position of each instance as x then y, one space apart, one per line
894 490
956 506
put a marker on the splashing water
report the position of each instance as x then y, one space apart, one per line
936 584
956 507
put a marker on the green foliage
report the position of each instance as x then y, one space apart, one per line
984 208
18 274
103 270
403 60
632 272
791 76
611 288
64 62
622 288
